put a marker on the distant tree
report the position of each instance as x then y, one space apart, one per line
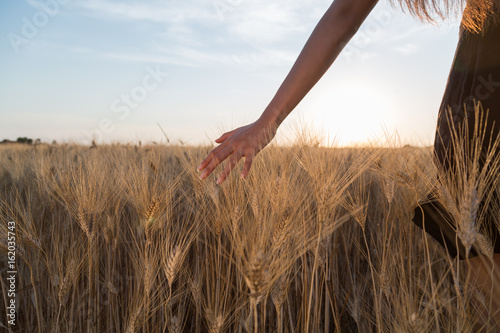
25 140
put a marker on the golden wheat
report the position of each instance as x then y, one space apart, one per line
122 238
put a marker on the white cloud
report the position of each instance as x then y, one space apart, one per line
156 11
265 22
215 32
406 49
190 57
257 21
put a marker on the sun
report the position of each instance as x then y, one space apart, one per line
353 113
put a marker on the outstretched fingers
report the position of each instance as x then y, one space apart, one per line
224 136
213 159
233 160
248 163
210 157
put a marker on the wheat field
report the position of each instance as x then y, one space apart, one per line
127 238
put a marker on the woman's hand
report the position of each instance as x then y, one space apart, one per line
245 141
332 33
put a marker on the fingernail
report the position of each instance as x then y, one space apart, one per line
199 167
219 181
203 174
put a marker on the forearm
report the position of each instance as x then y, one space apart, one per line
334 30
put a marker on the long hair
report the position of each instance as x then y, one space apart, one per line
477 14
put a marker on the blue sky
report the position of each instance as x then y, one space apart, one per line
73 70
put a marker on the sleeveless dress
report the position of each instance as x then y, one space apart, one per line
474 77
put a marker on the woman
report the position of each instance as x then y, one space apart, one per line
474 77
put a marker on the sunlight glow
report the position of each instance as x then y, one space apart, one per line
355 113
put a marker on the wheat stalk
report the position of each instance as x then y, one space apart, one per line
390 189
467 231
175 325
67 283
132 326
152 211
485 245
172 264
82 221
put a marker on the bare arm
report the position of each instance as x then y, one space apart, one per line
334 30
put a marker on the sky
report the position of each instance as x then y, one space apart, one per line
117 71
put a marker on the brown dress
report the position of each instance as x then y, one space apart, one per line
474 77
